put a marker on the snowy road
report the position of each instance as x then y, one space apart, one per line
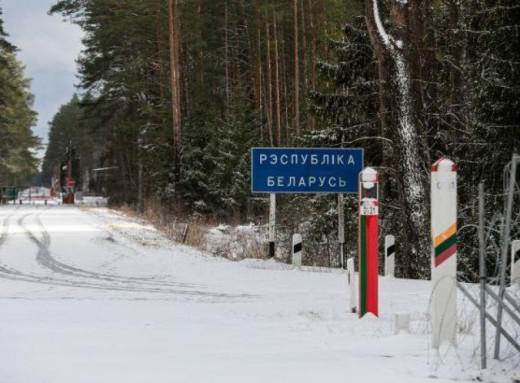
89 295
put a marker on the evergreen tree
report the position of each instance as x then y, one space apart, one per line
17 141
68 127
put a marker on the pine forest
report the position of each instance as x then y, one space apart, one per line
173 94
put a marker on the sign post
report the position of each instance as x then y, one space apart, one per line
341 229
444 251
368 242
304 170
272 224
389 255
515 262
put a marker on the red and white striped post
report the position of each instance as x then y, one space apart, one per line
444 251
368 241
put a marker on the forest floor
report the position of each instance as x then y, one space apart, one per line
89 295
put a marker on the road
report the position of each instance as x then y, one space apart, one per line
90 295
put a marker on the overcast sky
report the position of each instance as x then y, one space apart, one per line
48 48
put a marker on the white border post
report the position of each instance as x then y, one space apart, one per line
390 256
351 282
444 251
341 230
515 263
272 224
297 253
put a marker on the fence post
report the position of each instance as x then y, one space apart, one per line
297 250
506 231
482 256
341 230
390 255
515 263
272 224
444 251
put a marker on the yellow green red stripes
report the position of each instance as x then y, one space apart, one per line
445 245
445 235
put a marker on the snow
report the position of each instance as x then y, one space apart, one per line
380 27
235 242
88 295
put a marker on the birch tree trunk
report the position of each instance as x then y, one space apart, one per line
409 157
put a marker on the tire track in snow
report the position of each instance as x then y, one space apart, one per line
11 274
5 229
47 260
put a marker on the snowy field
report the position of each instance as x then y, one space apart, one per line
90 296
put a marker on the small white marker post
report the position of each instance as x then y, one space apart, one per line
341 229
351 281
389 256
444 251
297 250
401 322
515 263
272 224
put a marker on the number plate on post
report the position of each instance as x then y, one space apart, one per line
369 210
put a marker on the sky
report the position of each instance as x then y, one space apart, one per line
48 47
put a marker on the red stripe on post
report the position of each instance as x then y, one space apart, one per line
445 255
435 166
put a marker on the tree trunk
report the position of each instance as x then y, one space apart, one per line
176 94
277 85
411 169
296 73
269 82
258 70
312 27
226 50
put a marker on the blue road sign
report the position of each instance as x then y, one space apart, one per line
300 170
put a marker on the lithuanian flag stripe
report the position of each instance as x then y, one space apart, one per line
447 247
444 235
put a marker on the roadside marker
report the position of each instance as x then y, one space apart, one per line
444 251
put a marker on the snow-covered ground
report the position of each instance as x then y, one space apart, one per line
89 295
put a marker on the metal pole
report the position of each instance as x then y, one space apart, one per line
512 301
501 302
505 244
341 230
482 244
272 224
